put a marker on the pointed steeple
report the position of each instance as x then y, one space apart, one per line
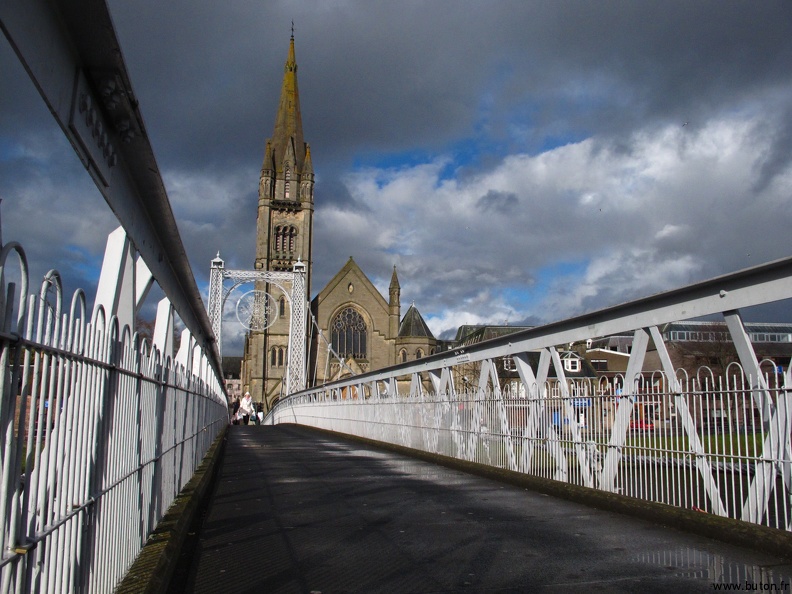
307 178
307 164
394 305
288 132
394 284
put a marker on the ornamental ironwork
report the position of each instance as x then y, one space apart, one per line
291 284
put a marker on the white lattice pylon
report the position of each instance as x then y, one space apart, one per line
296 359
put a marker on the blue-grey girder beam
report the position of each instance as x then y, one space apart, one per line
72 54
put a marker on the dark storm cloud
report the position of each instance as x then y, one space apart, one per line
389 77
779 157
502 202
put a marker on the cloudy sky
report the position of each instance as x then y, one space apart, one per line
518 161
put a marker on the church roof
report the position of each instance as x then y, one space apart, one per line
288 122
351 272
413 325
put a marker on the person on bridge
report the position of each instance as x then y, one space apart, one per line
246 408
234 409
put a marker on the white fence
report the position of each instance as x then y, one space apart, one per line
99 435
719 445
99 429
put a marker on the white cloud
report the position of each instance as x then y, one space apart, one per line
657 214
669 230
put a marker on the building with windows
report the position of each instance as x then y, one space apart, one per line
760 333
575 366
359 331
354 328
693 345
284 229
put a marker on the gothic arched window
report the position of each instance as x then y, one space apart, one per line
403 356
278 239
292 235
282 306
277 356
419 354
349 334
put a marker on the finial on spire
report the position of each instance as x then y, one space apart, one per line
292 35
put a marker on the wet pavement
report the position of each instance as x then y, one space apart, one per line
295 510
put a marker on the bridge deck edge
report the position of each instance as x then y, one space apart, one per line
154 569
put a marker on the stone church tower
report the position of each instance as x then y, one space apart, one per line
283 235
358 329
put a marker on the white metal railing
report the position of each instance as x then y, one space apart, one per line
99 430
97 436
720 445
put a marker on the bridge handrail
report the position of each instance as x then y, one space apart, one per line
99 435
80 38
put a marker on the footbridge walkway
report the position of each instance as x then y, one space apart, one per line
299 510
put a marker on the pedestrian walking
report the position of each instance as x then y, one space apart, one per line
234 409
246 408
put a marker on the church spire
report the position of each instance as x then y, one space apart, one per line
394 305
394 284
287 139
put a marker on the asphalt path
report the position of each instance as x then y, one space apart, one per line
295 510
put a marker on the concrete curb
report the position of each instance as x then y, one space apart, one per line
736 532
153 570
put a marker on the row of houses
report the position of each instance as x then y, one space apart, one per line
701 351
692 346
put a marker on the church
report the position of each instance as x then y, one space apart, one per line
352 327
